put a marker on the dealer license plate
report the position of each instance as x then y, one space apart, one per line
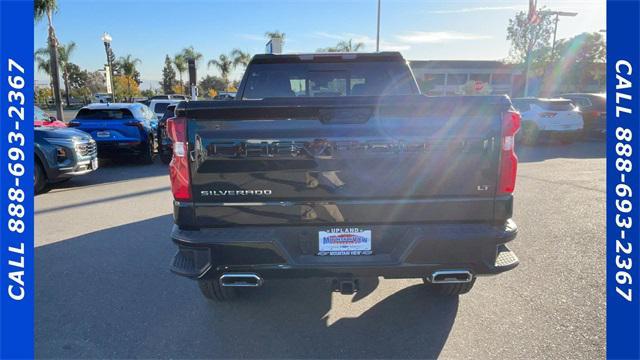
344 241
103 134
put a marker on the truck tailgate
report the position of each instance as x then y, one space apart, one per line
398 159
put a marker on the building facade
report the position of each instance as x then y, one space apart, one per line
447 77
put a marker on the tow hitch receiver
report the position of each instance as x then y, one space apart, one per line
345 286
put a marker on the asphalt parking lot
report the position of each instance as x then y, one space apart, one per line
104 290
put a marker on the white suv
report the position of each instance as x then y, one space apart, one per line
159 106
557 118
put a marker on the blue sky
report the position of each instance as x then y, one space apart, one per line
429 30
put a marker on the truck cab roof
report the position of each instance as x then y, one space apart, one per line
328 56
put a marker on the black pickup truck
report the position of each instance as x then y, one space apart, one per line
335 166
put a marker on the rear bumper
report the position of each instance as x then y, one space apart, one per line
561 134
399 251
114 146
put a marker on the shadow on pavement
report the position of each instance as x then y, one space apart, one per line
109 294
113 171
553 150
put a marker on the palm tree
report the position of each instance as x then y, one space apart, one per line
240 58
344 46
64 56
181 65
349 46
189 53
224 65
42 8
275 34
44 64
128 65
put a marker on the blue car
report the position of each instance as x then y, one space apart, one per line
120 128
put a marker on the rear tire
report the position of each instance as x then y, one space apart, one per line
449 289
529 133
147 153
165 155
212 290
39 178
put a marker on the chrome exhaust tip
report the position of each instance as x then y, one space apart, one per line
241 280
451 277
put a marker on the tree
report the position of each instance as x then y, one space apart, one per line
189 53
177 89
275 34
42 94
181 65
127 87
77 77
78 82
128 65
147 93
529 38
168 76
578 59
240 58
96 82
224 65
64 56
209 83
111 59
44 64
42 8
344 46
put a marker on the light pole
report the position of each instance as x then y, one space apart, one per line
555 26
378 30
557 15
106 39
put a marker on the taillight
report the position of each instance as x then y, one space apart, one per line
508 158
548 114
135 123
179 166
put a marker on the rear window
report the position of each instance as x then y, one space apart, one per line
328 79
104 114
169 112
599 103
556 105
39 114
521 105
160 108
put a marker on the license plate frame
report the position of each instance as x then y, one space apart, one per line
350 241
94 164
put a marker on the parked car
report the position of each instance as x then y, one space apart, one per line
120 128
225 96
361 176
103 97
159 106
550 118
61 153
169 97
165 147
593 108
42 118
